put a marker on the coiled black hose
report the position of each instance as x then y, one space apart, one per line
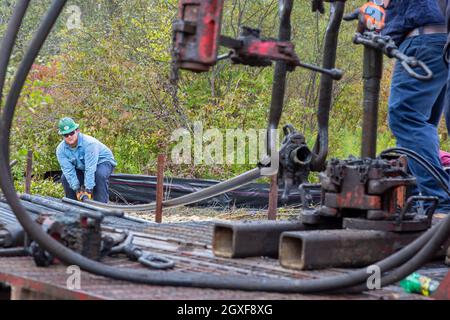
423 162
166 278
10 39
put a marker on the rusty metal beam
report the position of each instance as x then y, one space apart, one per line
36 289
254 239
443 292
447 259
28 172
339 248
273 198
160 188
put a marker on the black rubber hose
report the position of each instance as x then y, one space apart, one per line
9 40
7 44
155 278
209 192
326 87
25 68
423 162
424 255
279 77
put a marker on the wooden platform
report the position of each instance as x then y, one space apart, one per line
191 254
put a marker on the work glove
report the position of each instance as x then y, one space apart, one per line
88 194
79 193
371 16
84 194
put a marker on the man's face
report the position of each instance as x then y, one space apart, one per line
72 138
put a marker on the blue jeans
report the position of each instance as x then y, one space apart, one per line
415 108
447 98
101 189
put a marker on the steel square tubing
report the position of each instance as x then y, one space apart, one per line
255 239
310 250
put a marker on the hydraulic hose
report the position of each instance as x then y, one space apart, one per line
159 278
423 162
9 40
326 86
7 46
278 88
426 246
206 193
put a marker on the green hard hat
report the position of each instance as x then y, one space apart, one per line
67 125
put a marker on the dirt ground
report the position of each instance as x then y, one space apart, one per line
184 214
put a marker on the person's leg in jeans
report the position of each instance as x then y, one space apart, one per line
101 189
447 106
69 193
415 108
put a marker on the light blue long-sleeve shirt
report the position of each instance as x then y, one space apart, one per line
88 153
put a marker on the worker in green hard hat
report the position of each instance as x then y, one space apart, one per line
86 163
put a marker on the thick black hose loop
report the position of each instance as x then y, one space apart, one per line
326 87
157 277
7 44
24 69
423 162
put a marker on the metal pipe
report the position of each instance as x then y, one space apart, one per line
56 206
105 212
273 198
302 156
278 92
29 171
32 208
373 71
6 209
322 249
254 239
335 74
12 235
13 252
160 188
326 85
